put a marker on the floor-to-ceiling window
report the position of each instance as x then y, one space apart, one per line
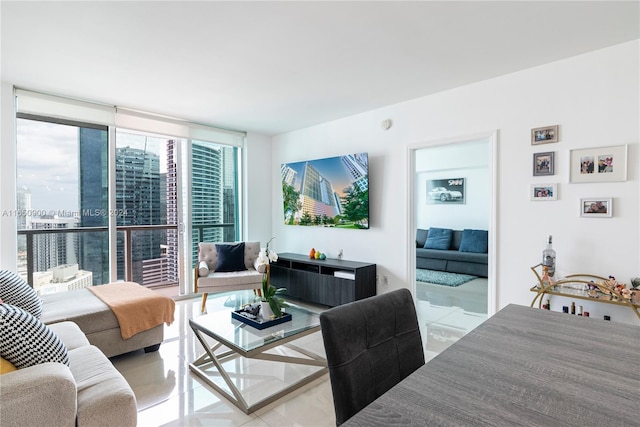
99 202
61 191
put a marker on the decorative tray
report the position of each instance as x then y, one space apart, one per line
257 321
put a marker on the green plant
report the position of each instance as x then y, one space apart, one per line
270 294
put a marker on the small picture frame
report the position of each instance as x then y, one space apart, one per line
596 207
543 163
602 164
544 135
544 192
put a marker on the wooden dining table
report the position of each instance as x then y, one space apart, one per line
522 367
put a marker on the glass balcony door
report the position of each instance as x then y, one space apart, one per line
62 203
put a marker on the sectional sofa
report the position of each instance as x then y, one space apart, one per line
454 251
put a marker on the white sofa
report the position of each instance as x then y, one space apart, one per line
97 321
208 280
88 392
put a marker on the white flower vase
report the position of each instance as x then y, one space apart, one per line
265 309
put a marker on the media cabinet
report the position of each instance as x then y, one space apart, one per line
329 282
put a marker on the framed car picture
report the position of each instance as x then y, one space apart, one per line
446 191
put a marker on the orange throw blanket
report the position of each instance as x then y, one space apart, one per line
136 307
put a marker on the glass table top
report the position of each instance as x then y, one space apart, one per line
243 337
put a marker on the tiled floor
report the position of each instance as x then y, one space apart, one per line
169 394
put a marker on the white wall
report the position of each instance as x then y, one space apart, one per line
468 160
595 100
8 222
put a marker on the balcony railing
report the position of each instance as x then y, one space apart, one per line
147 254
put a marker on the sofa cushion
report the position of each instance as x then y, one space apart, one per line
104 396
25 341
70 334
453 255
421 237
230 257
15 291
439 238
476 241
87 311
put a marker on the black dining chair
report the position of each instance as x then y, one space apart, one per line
371 345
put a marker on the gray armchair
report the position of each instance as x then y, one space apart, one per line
371 345
243 272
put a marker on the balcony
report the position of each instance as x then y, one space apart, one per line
63 259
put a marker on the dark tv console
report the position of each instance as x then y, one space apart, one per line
328 282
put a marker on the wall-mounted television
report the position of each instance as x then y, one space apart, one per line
329 192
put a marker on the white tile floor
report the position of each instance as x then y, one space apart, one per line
169 394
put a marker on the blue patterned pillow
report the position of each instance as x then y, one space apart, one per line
474 241
15 291
25 341
439 238
230 257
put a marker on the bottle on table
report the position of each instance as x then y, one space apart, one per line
549 257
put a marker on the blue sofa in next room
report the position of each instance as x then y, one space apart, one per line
454 251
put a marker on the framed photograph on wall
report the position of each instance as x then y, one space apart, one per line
544 135
544 192
543 163
603 164
446 191
596 207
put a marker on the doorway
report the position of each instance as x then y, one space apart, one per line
452 185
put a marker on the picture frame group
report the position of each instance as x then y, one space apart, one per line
596 207
602 164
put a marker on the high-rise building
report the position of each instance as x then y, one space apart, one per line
207 195
288 174
357 166
138 197
93 194
53 249
316 194
172 215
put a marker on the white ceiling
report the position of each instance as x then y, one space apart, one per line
273 67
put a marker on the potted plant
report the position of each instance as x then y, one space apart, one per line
271 304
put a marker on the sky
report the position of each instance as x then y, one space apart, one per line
47 162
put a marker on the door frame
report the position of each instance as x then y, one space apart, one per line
492 137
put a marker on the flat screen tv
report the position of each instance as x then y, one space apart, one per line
329 192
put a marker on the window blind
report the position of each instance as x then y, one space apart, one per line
41 104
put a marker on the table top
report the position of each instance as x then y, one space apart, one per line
522 366
244 338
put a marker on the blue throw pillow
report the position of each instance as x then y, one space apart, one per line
439 238
230 257
474 241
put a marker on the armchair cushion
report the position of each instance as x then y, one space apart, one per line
230 257
25 341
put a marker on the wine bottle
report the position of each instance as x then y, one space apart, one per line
549 257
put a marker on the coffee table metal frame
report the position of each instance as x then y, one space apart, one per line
235 351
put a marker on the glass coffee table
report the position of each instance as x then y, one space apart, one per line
236 339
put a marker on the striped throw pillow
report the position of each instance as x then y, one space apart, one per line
26 341
15 291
